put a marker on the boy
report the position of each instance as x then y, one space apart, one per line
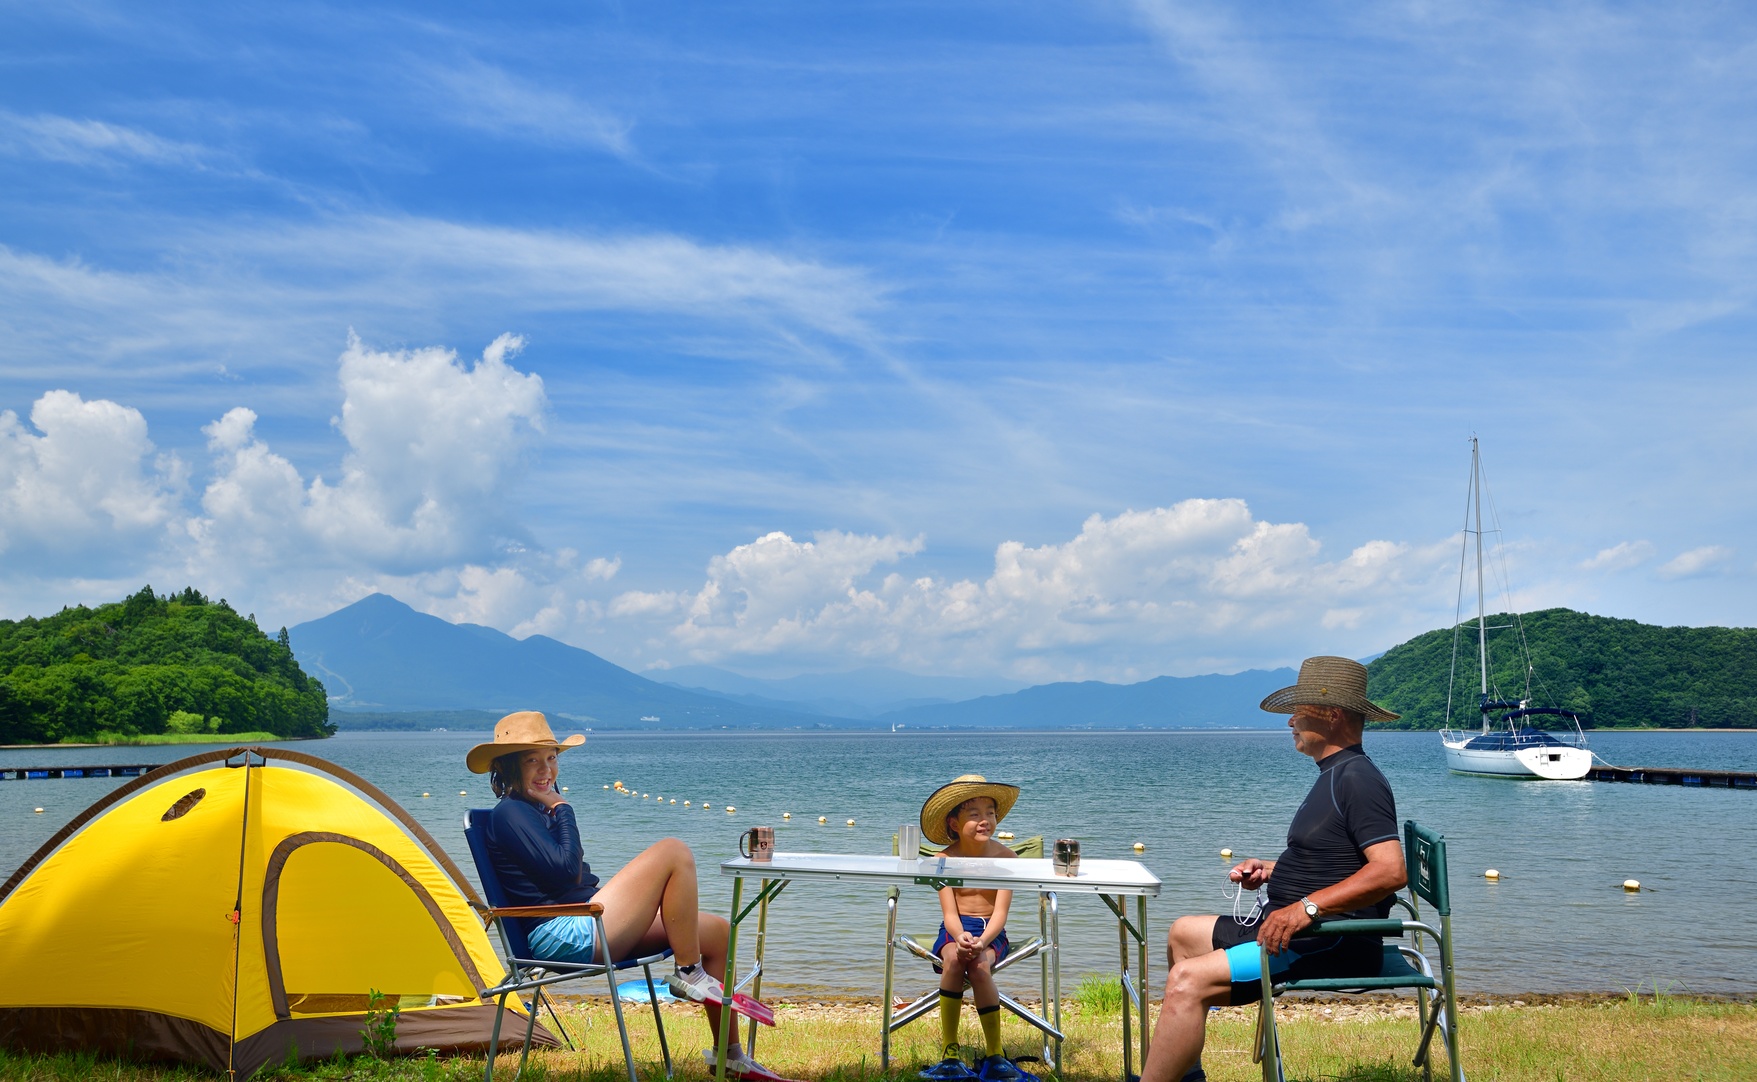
963 817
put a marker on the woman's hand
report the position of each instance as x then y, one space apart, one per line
546 797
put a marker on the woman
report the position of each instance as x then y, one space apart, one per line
534 843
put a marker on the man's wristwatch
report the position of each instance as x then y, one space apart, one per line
1311 907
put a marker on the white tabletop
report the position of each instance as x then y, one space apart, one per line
1096 876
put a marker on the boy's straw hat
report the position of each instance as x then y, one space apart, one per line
962 788
1328 681
526 730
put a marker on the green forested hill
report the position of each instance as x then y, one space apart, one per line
150 665
1614 672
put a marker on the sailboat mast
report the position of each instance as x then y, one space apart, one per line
1482 636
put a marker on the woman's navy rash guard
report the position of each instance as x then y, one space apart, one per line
1349 808
538 855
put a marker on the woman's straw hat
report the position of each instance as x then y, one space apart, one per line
526 730
1328 681
962 788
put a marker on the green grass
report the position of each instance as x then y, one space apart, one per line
1671 1038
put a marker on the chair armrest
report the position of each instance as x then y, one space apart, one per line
1389 926
577 909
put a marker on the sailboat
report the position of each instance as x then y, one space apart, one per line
1511 745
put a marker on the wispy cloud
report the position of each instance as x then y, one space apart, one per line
1707 560
493 100
95 142
1619 557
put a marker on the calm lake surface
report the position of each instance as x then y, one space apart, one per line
1557 921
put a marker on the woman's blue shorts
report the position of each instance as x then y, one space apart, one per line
566 939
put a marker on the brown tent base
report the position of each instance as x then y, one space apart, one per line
148 1035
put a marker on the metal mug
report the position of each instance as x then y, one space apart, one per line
761 844
1065 858
909 841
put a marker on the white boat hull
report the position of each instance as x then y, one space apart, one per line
1546 762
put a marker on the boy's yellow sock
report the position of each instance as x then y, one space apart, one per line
990 1017
950 1004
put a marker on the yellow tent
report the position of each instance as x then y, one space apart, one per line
229 910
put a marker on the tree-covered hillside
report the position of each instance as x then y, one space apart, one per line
1614 672
148 665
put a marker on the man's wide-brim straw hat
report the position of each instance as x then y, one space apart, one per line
1328 681
526 730
946 799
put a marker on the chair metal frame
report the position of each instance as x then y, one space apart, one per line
1403 966
529 974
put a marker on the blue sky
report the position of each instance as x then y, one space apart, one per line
1047 341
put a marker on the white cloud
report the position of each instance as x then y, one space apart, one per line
1619 557
494 100
1706 560
1190 587
431 443
89 486
93 142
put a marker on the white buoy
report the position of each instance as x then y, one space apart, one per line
37 811
607 787
706 805
823 818
673 800
850 822
1227 853
463 792
1491 874
1005 835
730 809
786 815
1140 847
686 803
1630 885
424 796
564 788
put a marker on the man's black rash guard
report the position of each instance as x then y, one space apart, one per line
1349 808
538 855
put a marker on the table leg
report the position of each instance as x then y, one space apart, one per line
756 980
724 1037
1145 988
1043 961
1055 968
1122 935
890 967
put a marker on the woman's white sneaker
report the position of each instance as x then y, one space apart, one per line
694 984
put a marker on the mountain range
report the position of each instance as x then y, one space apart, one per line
385 665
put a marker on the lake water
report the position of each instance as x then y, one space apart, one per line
1557 921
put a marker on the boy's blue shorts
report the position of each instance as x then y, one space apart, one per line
975 926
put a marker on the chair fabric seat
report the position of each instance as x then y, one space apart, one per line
1394 972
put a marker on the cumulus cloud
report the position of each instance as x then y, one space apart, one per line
1202 575
86 488
431 443
1619 557
1707 560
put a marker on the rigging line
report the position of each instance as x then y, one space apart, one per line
1458 604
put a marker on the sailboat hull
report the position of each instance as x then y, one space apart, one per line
1552 763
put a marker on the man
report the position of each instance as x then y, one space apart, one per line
1343 859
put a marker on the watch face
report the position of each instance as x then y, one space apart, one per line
1311 909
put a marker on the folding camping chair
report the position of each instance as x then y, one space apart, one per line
526 973
1029 847
1403 966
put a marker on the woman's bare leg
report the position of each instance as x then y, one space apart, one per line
651 904
660 883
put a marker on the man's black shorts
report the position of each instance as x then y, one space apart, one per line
1304 959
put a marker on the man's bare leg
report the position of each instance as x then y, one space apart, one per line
1194 985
